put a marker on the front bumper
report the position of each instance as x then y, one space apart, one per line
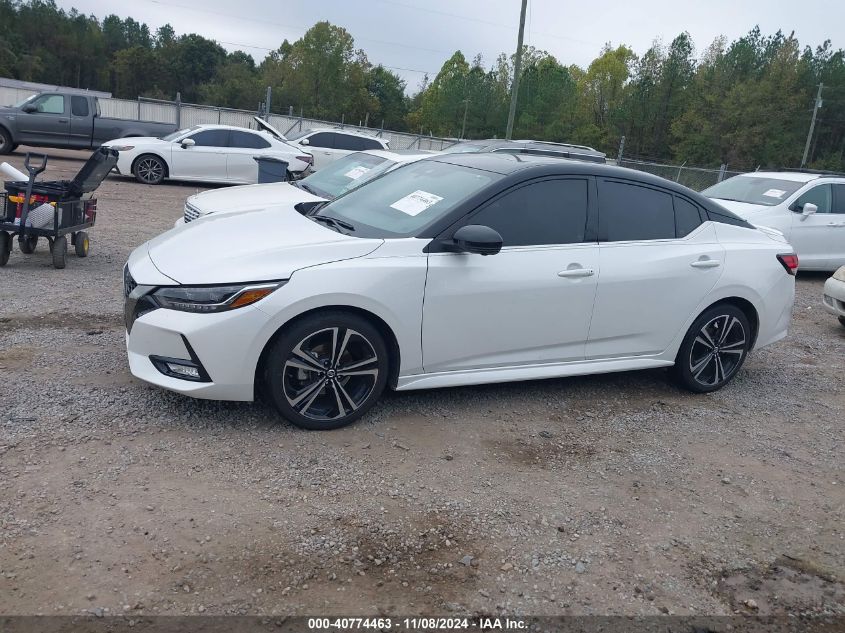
222 344
834 297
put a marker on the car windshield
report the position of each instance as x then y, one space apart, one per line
28 99
296 135
174 135
406 200
465 148
754 190
346 174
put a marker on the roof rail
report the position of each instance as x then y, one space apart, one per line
818 172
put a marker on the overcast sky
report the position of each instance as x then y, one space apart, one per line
415 36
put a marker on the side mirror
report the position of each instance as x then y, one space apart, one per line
305 141
476 238
809 209
188 142
30 108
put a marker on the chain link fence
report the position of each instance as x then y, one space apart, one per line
697 178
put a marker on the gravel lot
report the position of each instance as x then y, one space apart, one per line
615 494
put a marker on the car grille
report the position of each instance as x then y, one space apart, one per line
191 213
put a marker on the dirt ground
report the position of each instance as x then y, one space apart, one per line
614 494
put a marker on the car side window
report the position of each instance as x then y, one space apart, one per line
687 217
211 138
539 213
630 212
247 140
838 199
50 104
370 143
821 196
348 142
322 139
79 106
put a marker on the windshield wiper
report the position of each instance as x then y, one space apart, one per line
334 222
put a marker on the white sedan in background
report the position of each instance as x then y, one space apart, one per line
834 295
207 153
341 176
807 207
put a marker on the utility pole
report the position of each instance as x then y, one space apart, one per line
464 126
812 125
517 68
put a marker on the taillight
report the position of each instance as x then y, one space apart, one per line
789 261
307 159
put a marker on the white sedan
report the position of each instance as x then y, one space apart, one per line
807 207
834 295
341 176
455 270
206 153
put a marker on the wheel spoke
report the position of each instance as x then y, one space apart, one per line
312 388
719 369
311 400
706 344
357 365
353 404
701 366
728 346
300 365
738 352
361 372
708 337
343 335
341 411
306 358
729 324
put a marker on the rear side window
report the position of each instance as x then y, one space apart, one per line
322 139
371 143
629 212
246 140
687 217
545 212
211 138
838 199
79 106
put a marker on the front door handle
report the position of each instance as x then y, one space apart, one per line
705 263
576 272
836 223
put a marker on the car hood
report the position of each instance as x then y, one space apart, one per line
8 110
249 197
742 209
261 245
136 140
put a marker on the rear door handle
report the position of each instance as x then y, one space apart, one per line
836 223
705 263
576 272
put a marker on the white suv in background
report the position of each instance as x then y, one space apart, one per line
329 144
808 208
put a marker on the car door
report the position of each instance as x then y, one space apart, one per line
48 123
205 160
658 260
321 147
817 237
243 147
80 122
836 237
530 303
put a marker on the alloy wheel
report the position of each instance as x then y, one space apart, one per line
330 373
718 350
150 170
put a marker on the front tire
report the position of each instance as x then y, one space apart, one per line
28 244
81 244
714 349
326 371
149 169
60 252
5 247
6 143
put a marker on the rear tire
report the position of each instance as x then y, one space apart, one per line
149 169
28 244
6 144
5 247
326 371
714 349
81 244
60 252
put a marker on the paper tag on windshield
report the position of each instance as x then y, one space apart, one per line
356 172
774 193
416 202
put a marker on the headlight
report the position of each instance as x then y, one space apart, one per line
213 298
839 275
121 148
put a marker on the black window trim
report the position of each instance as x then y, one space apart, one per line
702 215
838 191
438 245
